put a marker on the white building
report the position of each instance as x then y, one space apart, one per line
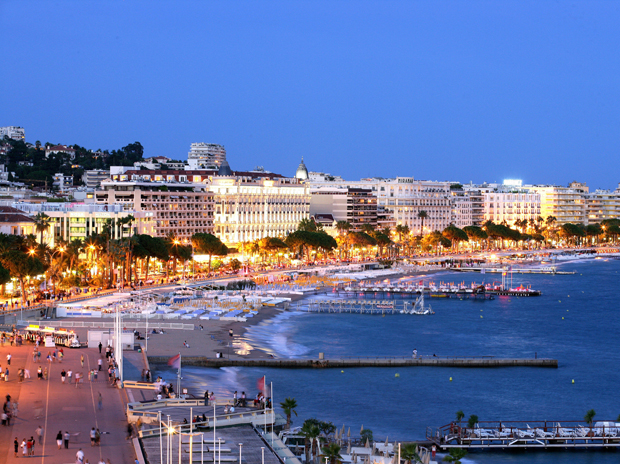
13 132
93 178
404 198
60 149
62 182
248 208
566 204
206 156
602 205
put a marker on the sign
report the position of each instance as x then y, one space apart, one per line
49 342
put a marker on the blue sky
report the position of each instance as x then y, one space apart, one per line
441 90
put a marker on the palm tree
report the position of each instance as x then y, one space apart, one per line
589 418
332 453
41 223
288 406
409 453
422 215
460 415
310 431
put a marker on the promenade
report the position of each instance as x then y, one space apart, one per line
63 407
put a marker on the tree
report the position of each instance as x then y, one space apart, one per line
209 244
343 227
21 265
41 223
460 415
409 453
455 455
422 215
589 417
455 235
366 435
310 431
309 225
332 453
475 233
288 406
472 421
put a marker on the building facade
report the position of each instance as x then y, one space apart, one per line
353 205
93 178
566 204
248 209
179 209
206 156
602 205
13 132
403 198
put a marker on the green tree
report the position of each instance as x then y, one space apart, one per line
460 415
455 455
455 235
22 265
422 215
409 453
41 223
210 245
332 453
472 421
366 435
288 406
310 431
589 417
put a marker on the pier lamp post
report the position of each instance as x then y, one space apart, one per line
240 448
262 448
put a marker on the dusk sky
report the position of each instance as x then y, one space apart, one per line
440 90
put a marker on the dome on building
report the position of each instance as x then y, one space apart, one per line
302 171
224 169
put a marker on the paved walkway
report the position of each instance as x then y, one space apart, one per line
56 406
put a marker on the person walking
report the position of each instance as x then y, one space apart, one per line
66 439
59 439
8 359
16 446
100 401
100 346
6 375
79 456
40 373
39 431
26 373
99 363
24 446
82 360
93 436
29 445
63 376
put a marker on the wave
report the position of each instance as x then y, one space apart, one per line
275 336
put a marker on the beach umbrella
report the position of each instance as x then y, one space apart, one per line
386 442
362 429
367 443
349 448
349 433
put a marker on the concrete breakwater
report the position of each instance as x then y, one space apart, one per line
431 361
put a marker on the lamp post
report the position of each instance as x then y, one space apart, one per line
240 448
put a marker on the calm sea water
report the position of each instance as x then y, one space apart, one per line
576 321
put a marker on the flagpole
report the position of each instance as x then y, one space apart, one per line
179 378
272 412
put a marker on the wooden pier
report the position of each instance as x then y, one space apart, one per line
339 363
464 294
374 307
503 435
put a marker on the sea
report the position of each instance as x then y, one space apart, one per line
576 320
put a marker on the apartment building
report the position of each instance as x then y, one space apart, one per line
566 204
13 132
93 178
250 208
179 208
602 205
354 205
403 198
206 156
511 205
69 221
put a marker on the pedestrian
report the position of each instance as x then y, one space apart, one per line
69 375
63 375
26 374
8 359
66 437
59 439
45 373
16 446
40 373
100 402
93 436
129 431
24 446
39 432
99 363
77 379
29 445
82 360
100 346
79 456
98 438
6 375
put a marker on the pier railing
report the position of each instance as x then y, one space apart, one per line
527 434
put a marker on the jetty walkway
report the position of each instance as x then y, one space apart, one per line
426 361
